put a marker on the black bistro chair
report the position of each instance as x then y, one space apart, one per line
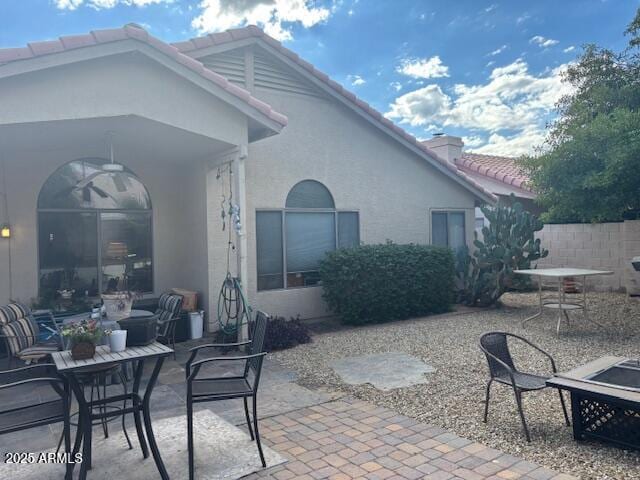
47 412
168 314
245 386
502 369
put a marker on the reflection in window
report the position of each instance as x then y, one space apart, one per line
94 231
296 239
448 229
83 184
126 252
67 244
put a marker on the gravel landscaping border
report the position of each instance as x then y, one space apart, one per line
453 398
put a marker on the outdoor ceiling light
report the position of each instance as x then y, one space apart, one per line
111 166
5 231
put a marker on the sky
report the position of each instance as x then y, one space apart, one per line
488 71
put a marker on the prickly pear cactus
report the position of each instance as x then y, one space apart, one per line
508 244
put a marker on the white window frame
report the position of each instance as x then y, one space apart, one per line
448 211
283 213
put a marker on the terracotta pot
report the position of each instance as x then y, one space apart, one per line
83 350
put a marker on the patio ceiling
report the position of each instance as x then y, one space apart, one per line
133 138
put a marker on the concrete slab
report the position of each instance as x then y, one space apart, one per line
385 371
223 452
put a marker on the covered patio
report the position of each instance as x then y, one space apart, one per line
165 121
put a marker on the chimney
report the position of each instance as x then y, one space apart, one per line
445 146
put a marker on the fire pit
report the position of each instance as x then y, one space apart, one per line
605 400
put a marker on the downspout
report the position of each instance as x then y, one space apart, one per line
241 199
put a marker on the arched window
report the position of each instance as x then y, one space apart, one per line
94 232
309 194
292 241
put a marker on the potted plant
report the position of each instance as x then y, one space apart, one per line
83 337
117 305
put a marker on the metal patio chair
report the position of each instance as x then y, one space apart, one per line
502 369
168 314
21 334
31 415
245 386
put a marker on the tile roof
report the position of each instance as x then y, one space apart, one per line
252 31
135 32
503 169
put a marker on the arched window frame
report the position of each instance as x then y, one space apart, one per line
275 222
99 215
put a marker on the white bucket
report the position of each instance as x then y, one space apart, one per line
196 320
118 340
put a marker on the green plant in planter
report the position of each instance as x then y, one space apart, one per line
508 244
86 331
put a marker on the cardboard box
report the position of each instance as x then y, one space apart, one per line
189 299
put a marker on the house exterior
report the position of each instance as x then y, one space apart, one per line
227 120
498 174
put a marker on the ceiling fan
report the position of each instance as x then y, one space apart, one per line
86 184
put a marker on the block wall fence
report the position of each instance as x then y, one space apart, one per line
600 246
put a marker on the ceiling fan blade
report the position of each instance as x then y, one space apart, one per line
98 190
119 183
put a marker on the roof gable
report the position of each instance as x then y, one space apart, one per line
217 42
238 97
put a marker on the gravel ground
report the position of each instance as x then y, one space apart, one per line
454 396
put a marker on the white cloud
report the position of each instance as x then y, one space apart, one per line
491 8
100 4
356 80
497 51
473 141
543 42
274 16
423 67
397 86
521 143
512 103
569 49
523 18
421 107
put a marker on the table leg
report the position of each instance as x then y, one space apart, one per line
84 426
147 419
136 414
540 303
559 305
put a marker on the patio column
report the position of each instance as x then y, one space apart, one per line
234 158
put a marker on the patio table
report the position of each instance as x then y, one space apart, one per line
560 302
139 404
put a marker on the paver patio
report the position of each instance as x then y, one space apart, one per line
324 436
352 439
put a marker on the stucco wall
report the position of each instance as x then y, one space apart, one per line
601 246
120 85
392 189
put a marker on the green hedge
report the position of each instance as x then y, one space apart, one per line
379 283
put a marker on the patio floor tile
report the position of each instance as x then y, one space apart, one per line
398 448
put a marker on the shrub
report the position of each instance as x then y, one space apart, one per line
282 334
379 283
